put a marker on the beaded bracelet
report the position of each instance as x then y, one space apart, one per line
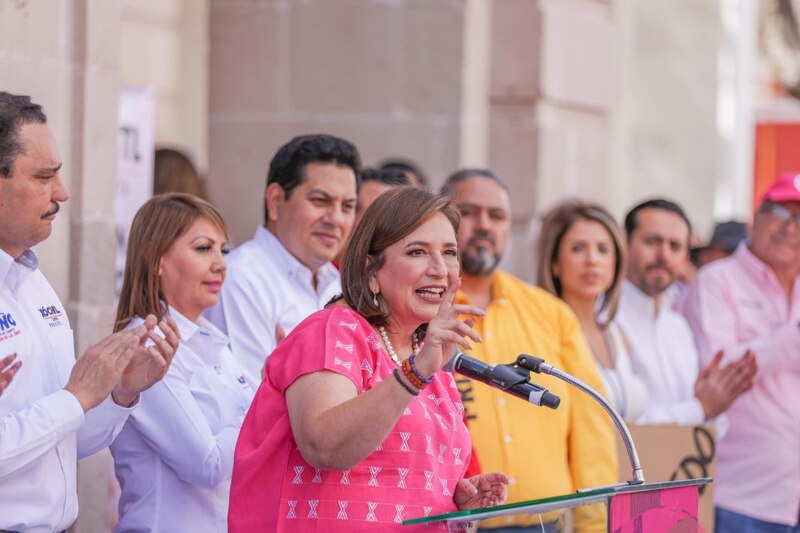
426 381
413 375
410 376
401 382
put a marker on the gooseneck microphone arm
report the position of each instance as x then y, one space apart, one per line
508 378
538 365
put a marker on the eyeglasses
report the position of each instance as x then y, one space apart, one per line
784 214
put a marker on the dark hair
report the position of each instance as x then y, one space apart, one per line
405 166
15 111
174 172
465 173
157 224
392 216
388 176
555 225
631 221
287 168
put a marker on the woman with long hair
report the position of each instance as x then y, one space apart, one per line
581 260
174 457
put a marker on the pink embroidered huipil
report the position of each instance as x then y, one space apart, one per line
412 473
737 303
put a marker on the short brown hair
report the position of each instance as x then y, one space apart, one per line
15 111
157 224
392 216
556 223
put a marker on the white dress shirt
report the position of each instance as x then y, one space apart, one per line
664 357
43 430
266 285
174 457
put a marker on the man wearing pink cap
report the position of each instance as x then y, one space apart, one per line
751 300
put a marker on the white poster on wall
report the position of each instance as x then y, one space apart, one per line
135 149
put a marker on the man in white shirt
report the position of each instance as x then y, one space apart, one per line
284 273
663 350
56 410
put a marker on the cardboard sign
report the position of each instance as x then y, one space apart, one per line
668 452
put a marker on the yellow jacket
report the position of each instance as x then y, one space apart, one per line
544 452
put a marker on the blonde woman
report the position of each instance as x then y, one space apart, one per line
582 261
174 457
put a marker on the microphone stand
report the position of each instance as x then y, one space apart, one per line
538 365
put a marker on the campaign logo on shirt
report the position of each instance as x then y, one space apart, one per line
8 326
52 315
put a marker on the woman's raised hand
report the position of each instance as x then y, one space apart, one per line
446 331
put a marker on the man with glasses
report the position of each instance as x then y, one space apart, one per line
751 301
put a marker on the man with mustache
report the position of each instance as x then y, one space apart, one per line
663 350
751 300
57 409
545 453
284 273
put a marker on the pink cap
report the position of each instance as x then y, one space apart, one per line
785 189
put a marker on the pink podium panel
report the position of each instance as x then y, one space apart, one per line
669 510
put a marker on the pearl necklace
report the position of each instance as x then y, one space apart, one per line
390 348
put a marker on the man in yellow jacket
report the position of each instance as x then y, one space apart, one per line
545 453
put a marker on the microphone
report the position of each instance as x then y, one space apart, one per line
514 381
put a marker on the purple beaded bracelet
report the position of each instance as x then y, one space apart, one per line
417 374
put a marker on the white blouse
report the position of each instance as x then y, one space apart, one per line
626 391
174 457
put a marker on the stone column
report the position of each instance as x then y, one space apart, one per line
65 55
551 93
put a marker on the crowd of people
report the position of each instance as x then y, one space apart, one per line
297 383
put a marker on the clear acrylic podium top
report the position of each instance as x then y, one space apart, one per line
567 501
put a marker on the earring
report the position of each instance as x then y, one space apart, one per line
374 299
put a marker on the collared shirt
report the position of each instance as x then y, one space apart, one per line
43 430
626 391
738 303
664 357
545 453
174 457
266 285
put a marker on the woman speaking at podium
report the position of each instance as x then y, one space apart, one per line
355 427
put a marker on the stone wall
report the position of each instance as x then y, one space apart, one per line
65 55
385 75
504 84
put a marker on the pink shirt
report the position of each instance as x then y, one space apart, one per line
735 304
412 473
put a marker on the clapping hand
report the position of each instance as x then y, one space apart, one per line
717 388
149 362
483 490
8 367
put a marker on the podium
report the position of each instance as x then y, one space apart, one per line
647 507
